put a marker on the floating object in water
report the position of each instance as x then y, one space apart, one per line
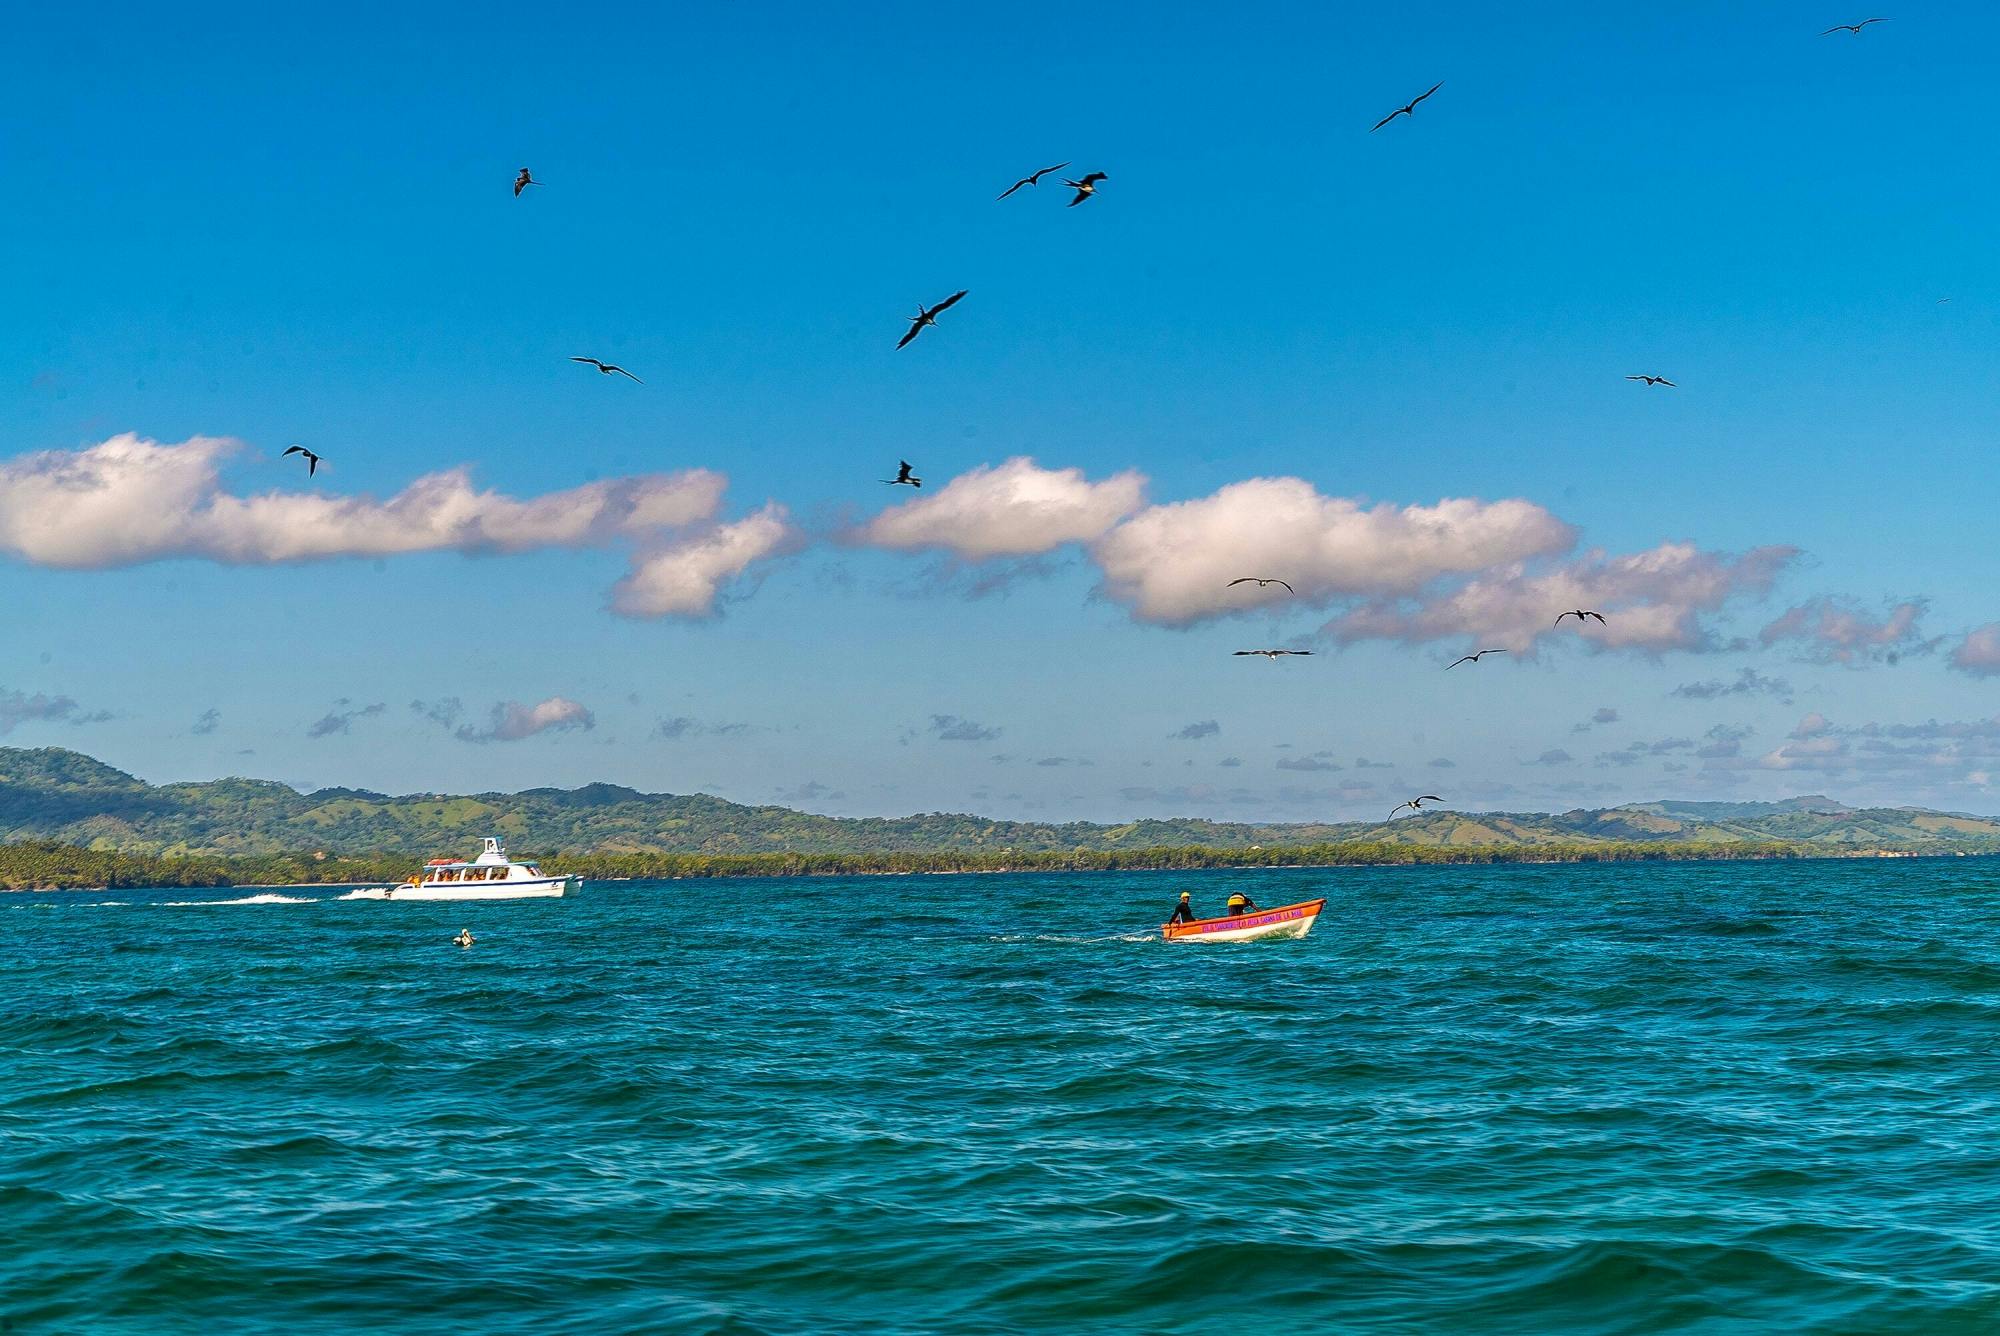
1284 922
464 938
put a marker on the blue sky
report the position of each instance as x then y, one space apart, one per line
297 227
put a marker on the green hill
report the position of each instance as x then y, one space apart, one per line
49 794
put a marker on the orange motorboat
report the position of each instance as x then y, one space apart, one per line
1286 921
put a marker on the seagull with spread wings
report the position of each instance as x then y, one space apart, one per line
1034 180
312 460
523 181
608 368
903 475
1415 804
1274 654
1654 380
927 315
1473 657
1260 581
1581 614
1854 28
1409 110
1086 187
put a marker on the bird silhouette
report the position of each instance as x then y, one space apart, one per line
1473 657
1580 614
1414 804
312 460
1854 28
1086 187
607 368
1260 581
1654 380
523 181
1410 110
927 315
903 475
1034 180
1274 654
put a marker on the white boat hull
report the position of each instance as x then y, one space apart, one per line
535 888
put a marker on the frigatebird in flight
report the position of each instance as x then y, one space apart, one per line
1854 28
1034 180
1415 804
1273 654
1086 187
1473 657
927 315
1260 581
607 368
312 460
1580 614
903 475
1410 110
1655 380
523 181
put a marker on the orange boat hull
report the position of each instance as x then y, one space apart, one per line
1286 921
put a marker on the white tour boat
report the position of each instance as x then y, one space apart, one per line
491 876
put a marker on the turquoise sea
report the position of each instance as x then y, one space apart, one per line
1700 1097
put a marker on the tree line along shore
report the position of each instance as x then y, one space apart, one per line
42 865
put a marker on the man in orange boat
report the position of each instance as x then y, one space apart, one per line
1183 912
1240 903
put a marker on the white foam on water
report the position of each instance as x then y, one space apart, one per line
265 899
365 893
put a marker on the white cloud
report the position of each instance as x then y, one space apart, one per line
1838 630
1652 601
1173 563
1014 509
128 500
509 720
1979 653
686 578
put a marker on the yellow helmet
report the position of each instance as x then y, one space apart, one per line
1184 895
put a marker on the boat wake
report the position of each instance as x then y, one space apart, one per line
268 898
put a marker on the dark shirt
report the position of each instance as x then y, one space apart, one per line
1182 913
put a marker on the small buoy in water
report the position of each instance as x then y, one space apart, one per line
464 938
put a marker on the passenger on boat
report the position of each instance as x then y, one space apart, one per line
1240 903
1183 912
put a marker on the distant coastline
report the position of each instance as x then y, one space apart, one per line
42 865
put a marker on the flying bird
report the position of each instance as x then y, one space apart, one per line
1580 614
1410 110
1273 654
606 367
1086 187
904 475
1260 581
927 315
1655 380
1034 180
312 460
1473 657
523 181
1415 804
1854 28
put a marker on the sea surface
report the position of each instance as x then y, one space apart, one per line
1700 1097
